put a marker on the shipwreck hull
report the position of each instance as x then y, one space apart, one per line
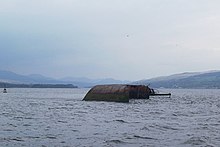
117 93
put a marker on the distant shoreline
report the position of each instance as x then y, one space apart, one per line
9 85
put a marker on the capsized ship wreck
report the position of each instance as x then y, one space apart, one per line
120 93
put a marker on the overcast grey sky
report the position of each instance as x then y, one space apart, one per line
122 39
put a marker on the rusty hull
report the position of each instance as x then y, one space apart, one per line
117 93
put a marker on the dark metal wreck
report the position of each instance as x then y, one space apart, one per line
119 93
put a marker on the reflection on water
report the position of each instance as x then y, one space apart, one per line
58 117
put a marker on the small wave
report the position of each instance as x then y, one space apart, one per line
28 118
12 125
6 114
26 125
61 121
169 128
144 137
164 127
145 128
18 118
32 137
115 141
97 134
35 104
59 108
19 139
82 138
218 105
51 137
8 130
196 141
107 121
62 142
120 120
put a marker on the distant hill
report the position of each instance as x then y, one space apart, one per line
14 78
11 85
207 80
85 82
11 77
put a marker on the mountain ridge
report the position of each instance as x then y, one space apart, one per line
14 78
197 80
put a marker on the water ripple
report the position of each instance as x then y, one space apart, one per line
196 141
58 117
144 137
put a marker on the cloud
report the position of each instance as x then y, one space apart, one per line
109 38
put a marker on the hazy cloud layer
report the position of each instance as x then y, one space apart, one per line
124 39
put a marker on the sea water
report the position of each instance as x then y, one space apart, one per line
59 117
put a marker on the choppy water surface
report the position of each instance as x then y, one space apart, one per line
58 117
